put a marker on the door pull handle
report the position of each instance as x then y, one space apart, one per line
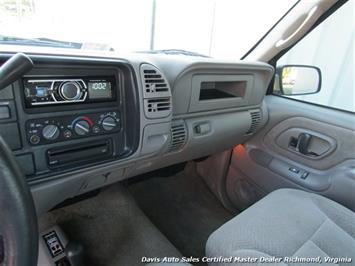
303 142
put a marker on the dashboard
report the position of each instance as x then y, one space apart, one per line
79 123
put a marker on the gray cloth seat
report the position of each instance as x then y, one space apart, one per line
287 223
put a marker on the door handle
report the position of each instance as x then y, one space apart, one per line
306 143
303 142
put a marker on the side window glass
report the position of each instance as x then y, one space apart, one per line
320 68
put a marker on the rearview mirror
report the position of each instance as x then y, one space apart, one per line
299 79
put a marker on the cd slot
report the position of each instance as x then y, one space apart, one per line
84 153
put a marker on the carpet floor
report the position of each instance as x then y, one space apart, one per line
182 208
112 229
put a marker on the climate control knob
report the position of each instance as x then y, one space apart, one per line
82 127
109 123
70 90
50 132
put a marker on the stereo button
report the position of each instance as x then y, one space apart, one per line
67 134
96 129
35 139
50 132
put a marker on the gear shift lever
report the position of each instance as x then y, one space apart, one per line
18 65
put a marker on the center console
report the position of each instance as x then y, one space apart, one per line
67 115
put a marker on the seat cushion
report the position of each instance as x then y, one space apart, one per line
287 223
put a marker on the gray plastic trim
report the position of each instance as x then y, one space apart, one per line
227 126
185 88
197 105
155 137
316 182
226 131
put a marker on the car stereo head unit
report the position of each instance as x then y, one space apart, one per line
49 91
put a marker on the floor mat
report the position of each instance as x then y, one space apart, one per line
183 209
113 230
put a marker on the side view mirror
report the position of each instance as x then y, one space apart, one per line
299 79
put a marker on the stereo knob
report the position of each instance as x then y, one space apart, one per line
50 132
82 127
70 91
109 123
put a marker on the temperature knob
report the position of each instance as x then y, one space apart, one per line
50 132
109 123
82 127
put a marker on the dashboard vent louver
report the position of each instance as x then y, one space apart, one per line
255 116
154 84
178 136
156 92
157 107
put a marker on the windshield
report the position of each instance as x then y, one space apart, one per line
216 28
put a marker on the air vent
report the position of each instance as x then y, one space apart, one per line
156 92
157 107
154 83
255 116
178 136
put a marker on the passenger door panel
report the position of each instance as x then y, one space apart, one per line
329 143
271 158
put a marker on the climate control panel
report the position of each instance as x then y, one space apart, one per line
63 128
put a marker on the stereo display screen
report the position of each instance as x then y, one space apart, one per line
100 89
